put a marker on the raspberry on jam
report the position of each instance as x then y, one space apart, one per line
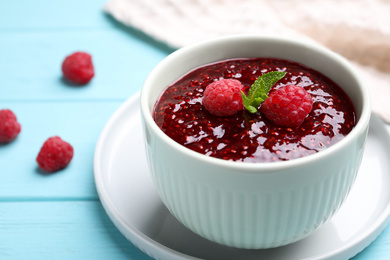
252 137
287 106
223 97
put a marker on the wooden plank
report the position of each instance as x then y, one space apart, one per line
78 123
378 250
30 65
82 230
61 230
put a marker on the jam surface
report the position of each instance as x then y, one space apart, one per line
252 137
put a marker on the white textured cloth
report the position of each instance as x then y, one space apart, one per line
357 29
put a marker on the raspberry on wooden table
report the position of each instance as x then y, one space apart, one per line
223 97
78 68
55 154
9 126
287 106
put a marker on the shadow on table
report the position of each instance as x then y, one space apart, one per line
68 83
42 172
140 35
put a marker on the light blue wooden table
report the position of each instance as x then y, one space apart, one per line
59 216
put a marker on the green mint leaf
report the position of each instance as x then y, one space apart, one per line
259 90
247 103
271 78
256 88
245 100
251 109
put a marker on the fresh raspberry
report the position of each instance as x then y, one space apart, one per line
9 126
55 154
223 97
78 68
287 106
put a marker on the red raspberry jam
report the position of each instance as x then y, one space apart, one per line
252 137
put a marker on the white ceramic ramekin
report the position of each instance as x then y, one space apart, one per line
249 205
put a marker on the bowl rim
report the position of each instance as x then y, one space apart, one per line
261 167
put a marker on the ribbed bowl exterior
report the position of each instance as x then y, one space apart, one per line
253 205
248 209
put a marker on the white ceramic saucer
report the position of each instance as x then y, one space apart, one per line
128 196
